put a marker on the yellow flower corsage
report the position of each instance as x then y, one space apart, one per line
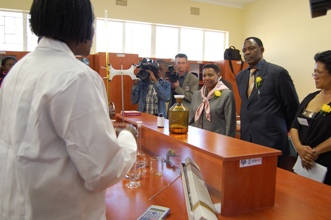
217 93
325 109
258 81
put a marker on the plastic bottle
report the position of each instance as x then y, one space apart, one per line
160 121
178 117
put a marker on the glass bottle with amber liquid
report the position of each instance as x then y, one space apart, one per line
178 117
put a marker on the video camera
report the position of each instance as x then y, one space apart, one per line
144 65
171 74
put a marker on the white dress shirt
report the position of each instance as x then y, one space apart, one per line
58 148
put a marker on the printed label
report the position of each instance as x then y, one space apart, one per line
250 162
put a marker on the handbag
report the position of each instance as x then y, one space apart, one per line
233 54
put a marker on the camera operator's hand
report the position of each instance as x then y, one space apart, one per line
136 81
174 85
152 76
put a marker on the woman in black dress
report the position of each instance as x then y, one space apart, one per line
311 129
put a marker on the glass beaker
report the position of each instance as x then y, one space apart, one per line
133 175
141 156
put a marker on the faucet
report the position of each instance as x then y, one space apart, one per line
170 153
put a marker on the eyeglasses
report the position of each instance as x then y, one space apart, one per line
319 74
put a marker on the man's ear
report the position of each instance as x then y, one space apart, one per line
262 49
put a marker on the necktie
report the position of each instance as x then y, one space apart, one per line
251 81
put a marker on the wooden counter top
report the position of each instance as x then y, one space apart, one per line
220 146
294 197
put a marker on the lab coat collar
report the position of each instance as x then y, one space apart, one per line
46 43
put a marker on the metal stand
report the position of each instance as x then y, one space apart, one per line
129 72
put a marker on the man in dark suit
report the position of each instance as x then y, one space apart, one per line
268 100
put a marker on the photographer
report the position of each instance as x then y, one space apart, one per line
163 67
151 92
186 84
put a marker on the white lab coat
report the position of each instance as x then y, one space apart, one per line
58 148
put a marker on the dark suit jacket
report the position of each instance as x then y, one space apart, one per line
266 116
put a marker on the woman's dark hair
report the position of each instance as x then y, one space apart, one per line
62 19
324 57
213 66
5 59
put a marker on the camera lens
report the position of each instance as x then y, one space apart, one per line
143 74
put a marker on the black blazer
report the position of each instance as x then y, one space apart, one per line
266 116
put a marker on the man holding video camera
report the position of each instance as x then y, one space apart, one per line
150 90
185 83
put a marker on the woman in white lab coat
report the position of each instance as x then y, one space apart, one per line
58 149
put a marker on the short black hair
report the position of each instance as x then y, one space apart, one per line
5 59
324 57
257 40
213 66
62 19
181 55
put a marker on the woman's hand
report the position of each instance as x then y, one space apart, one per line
120 126
307 155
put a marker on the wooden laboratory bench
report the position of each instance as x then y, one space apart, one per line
246 191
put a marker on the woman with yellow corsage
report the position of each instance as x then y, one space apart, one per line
310 131
213 107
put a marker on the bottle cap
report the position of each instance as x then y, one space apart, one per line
179 96
139 123
160 115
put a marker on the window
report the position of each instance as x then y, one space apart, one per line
166 42
138 39
161 41
15 33
109 36
191 43
31 38
116 36
214 46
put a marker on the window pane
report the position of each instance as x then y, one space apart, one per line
191 43
214 46
12 31
166 45
2 36
138 39
114 36
32 39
